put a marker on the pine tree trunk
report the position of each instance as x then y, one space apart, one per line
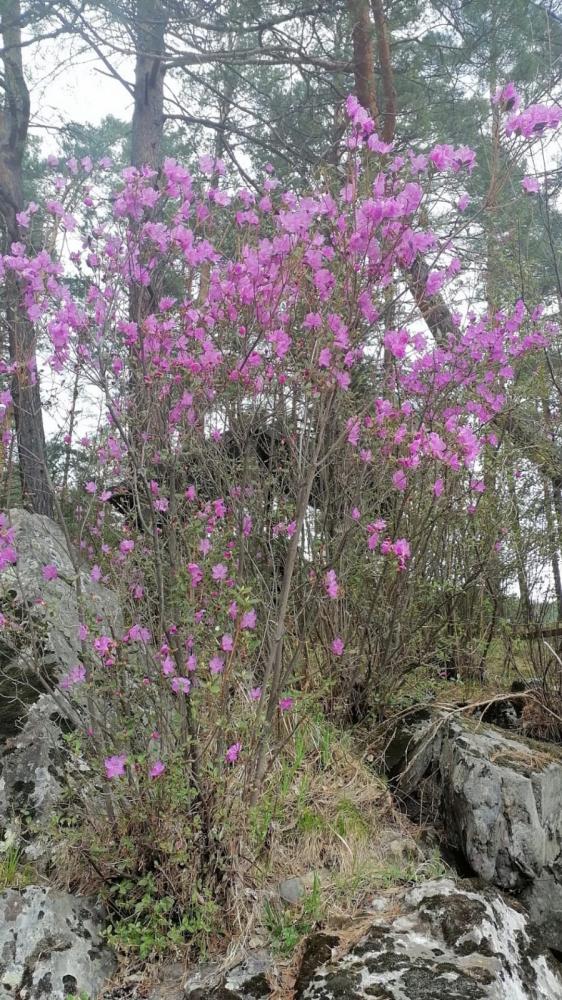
148 115
28 414
363 56
553 546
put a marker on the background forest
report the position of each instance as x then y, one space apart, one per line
280 356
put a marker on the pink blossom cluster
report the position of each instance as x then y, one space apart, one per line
534 121
294 307
8 554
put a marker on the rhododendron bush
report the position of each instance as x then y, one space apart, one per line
290 471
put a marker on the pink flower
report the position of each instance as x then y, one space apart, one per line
248 619
126 546
115 766
534 120
463 202
354 430
435 282
90 487
530 185
227 643
157 769
181 685
507 96
137 633
216 664
77 675
103 644
254 694
219 572
331 584
95 573
396 341
285 704
168 666
337 646
399 480
438 487
206 164
233 753
219 507
401 549
50 572
195 573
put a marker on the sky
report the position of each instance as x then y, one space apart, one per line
67 85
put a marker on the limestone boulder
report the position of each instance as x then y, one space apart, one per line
40 642
498 800
440 939
51 946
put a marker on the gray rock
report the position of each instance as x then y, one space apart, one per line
505 800
293 890
248 979
50 946
543 900
499 799
45 644
440 939
35 769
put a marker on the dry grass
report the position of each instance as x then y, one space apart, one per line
541 718
334 818
324 816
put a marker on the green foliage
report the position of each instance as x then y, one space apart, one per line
287 927
151 924
15 872
111 137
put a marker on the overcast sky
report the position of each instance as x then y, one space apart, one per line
67 85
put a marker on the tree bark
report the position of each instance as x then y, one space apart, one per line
147 132
363 57
28 414
388 118
553 544
148 115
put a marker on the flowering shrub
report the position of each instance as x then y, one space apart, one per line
299 474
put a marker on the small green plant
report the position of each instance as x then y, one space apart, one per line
433 867
77 996
287 929
151 924
349 818
261 818
412 871
15 873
